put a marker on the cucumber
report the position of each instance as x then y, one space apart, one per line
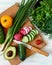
36 32
21 52
32 36
25 39
32 33
22 49
29 37
1 35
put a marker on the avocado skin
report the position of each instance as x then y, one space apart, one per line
13 49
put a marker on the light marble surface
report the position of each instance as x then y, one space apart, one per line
35 59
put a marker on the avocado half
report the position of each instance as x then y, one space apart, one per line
10 53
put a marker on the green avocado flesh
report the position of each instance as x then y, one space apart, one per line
10 53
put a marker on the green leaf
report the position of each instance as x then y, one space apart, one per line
49 2
48 26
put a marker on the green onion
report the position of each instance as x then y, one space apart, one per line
19 20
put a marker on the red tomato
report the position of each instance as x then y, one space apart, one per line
38 42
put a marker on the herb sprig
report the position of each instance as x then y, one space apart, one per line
42 17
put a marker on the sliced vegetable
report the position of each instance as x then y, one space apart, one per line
29 37
38 42
32 33
25 39
36 32
32 36
18 36
25 30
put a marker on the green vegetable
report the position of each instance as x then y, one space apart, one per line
42 15
32 33
29 37
1 35
21 48
48 26
32 36
49 2
35 32
21 52
25 39
10 53
19 20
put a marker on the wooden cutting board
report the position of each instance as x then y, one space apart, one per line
12 11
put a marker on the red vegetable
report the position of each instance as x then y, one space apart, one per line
38 42
22 31
18 36
25 30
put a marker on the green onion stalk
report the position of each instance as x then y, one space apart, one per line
19 20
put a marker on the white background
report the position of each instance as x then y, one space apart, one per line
35 59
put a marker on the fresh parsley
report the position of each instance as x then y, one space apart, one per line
42 17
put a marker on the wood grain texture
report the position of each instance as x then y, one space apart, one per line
12 11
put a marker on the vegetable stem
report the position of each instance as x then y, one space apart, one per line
19 20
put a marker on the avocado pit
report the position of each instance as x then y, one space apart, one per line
9 53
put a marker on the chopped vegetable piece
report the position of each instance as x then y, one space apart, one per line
36 32
32 36
38 42
25 39
29 37
18 36
25 30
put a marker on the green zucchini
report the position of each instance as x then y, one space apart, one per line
1 35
